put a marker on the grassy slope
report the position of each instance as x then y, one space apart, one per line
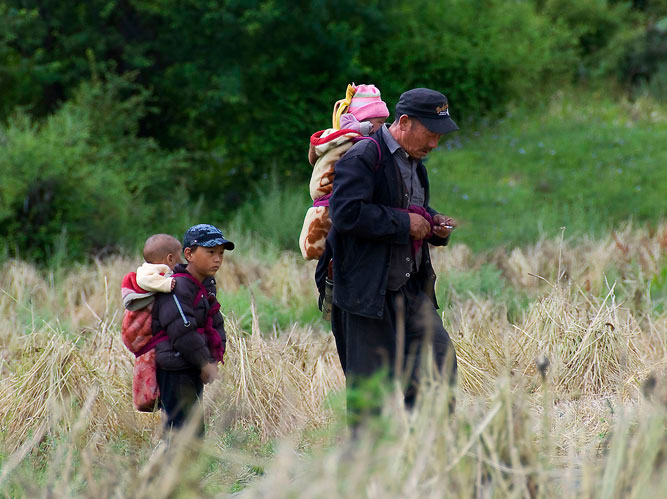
584 165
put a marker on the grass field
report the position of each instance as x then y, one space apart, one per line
593 426
561 256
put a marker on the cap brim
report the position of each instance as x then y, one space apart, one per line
439 125
218 241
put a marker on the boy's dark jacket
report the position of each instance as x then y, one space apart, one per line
186 348
367 229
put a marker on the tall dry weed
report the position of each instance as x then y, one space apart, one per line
66 381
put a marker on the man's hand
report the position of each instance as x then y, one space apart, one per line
209 372
443 225
419 226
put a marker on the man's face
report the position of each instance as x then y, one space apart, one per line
416 139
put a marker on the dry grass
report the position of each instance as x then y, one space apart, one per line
595 426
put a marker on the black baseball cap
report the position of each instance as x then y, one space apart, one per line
205 235
430 107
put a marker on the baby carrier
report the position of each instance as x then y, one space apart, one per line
330 145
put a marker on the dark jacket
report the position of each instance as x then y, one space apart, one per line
367 227
186 348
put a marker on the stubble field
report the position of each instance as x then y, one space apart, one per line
590 424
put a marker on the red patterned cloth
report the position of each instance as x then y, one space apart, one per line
136 333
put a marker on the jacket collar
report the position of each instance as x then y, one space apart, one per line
181 268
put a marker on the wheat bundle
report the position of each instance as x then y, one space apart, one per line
277 383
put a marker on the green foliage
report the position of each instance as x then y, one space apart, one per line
482 54
271 311
593 24
247 106
274 213
241 85
82 179
643 63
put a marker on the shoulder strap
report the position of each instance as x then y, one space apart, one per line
377 144
202 290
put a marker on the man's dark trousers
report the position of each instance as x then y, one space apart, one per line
368 345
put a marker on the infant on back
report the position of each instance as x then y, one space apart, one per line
161 254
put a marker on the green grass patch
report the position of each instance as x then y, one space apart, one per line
270 310
585 166
485 282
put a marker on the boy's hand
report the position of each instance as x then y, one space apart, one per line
443 225
209 372
173 283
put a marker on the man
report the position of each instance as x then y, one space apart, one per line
384 307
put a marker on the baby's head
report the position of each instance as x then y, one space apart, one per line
366 105
164 249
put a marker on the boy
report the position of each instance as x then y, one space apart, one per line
190 325
162 253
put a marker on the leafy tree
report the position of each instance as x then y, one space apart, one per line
84 175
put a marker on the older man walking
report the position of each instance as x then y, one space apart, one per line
384 308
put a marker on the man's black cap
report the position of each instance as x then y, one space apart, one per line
430 107
205 235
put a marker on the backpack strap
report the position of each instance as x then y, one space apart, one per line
212 337
202 290
157 338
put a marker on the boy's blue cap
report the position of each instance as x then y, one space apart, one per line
205 235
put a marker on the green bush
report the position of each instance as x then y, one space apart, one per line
244 89
482 54
82 179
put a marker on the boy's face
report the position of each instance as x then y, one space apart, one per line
204 262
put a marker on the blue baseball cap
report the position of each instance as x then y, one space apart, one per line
205 235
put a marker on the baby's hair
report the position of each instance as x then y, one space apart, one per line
158 246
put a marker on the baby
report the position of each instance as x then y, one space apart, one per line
363 111
162 253
360 114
